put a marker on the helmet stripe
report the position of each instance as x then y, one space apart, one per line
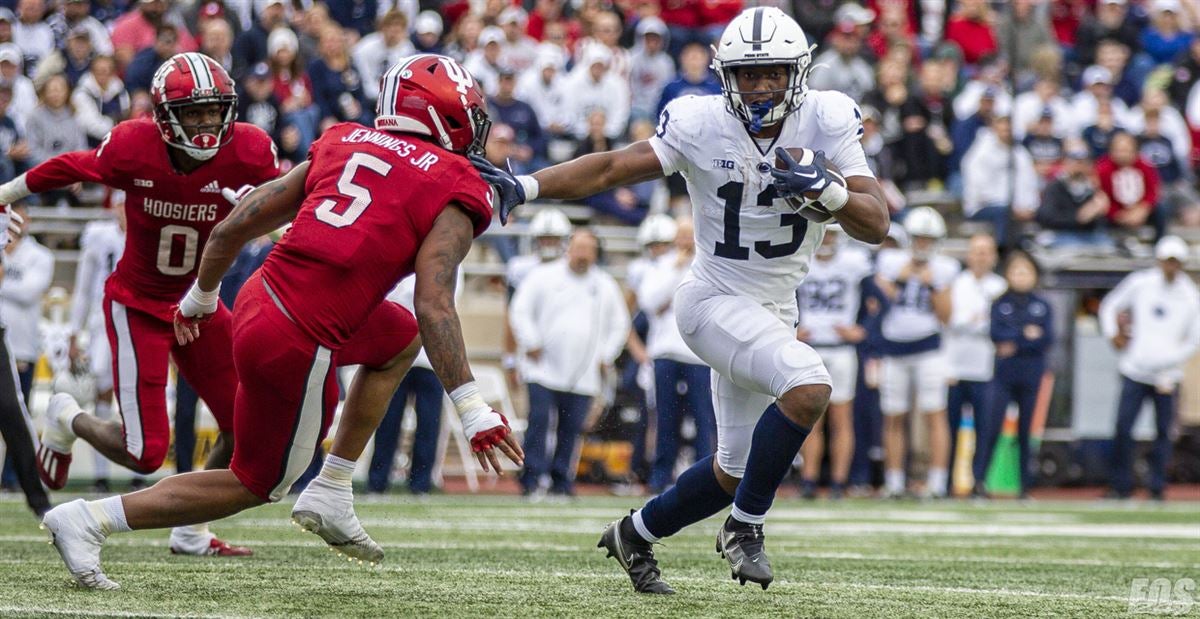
757 34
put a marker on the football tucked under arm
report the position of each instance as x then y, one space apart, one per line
810 183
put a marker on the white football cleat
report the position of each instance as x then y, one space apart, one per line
76 534
54 454
327 510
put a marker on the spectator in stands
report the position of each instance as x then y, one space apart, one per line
1185 75
427 396
51 128
963 133
541 87
1022 328
591 88
992 77
844 68
141 69
1153 319
257 104
216 42
606 34
971 28
563 375
28 272
1166 37
1178 193
24 95
355 15
893 29
520 49
378 51
1127 77
1022 30
31 33
251 47
1110 21
999 181
969 348
13 149
484 61
337 86
1074 209
1132 186
138 30
1029 107
1099 135
428 30
74 60
650 68
7 19
1171 123
694 78
924 145
74 14
293 88
464 38
529 152
1045 148
100 100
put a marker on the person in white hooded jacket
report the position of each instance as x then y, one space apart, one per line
571 319
1161 334
592 85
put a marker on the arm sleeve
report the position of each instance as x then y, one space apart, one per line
1002 330
521 314
29 289
81 300
1116 302
618 323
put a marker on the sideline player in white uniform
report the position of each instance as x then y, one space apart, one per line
829 299
549 229
737 308
916 283
101 245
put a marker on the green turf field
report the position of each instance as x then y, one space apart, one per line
501 557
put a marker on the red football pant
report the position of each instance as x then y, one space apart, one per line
141 345
287 390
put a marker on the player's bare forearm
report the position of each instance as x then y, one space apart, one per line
597 172
265 209
433 298
865 216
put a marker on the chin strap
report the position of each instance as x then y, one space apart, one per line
757 112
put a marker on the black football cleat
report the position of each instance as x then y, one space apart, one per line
742 545
636 557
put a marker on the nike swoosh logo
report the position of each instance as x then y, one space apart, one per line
803 175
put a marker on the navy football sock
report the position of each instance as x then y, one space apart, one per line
695 496
772 448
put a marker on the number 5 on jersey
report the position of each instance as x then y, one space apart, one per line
360 196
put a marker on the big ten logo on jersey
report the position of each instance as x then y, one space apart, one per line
824 295
400 146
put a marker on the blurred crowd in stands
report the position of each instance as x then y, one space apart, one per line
1079 116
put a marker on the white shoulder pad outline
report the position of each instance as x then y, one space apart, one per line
686 116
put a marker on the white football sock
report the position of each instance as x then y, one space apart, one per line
110 515
339 471
936 481
893 480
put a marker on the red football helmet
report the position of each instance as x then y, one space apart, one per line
192 79
434 95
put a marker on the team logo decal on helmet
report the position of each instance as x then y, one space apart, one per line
763 36
193 79
434 95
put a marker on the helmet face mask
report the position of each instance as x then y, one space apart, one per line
187 84
763 38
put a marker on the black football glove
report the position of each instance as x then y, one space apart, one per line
509 189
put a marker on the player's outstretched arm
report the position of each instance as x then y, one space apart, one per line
262 210
441 333
571 180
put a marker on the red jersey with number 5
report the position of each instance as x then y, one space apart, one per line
169 214
371 198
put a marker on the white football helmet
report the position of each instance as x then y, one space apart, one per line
925 221
549 223
657 228
763 36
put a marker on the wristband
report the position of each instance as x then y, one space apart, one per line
530 185
14 190
466 398
834 197
202 297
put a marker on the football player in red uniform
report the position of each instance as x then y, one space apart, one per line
369 207
173 202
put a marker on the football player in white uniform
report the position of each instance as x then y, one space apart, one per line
828 300
737 308
101 246
549 229
916 283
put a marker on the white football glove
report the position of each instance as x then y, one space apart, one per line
234 197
